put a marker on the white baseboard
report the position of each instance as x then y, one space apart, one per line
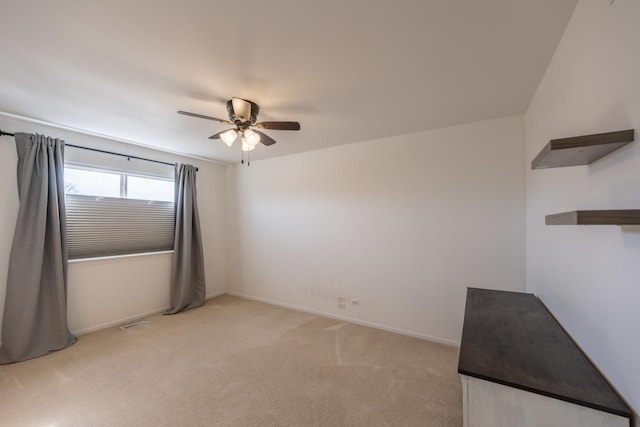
118 322
280 304
131 318
349 319
217 294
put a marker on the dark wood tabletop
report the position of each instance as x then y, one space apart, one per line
512 339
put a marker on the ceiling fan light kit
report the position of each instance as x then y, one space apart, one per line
229 137
251 137
244 114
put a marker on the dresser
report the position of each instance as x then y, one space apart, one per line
519 367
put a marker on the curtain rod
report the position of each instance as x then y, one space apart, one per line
118 154
3 133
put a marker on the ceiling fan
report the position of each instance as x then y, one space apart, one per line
243 114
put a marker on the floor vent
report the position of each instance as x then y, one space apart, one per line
134 324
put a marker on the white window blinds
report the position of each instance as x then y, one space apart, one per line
104 226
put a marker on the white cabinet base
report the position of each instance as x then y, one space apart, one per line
489 404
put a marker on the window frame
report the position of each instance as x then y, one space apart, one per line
123 177
132 242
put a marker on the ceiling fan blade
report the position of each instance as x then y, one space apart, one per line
217 135
265 139
200 116
278 125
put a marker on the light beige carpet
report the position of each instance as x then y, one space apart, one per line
236 362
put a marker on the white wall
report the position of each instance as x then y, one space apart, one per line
109 291
589 276
403 224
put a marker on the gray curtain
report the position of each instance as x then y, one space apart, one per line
35 309
187 272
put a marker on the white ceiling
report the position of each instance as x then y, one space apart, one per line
348 71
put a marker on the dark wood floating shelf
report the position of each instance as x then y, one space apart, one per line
580 150
602 217
510 338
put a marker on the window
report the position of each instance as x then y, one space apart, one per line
92 182
116 213
97 182
141 187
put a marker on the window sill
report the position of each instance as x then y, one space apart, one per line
118 257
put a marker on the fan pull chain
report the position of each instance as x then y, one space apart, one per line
248 158
242 158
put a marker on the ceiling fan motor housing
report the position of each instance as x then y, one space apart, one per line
242 112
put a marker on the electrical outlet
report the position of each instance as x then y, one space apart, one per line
355 302
342 303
